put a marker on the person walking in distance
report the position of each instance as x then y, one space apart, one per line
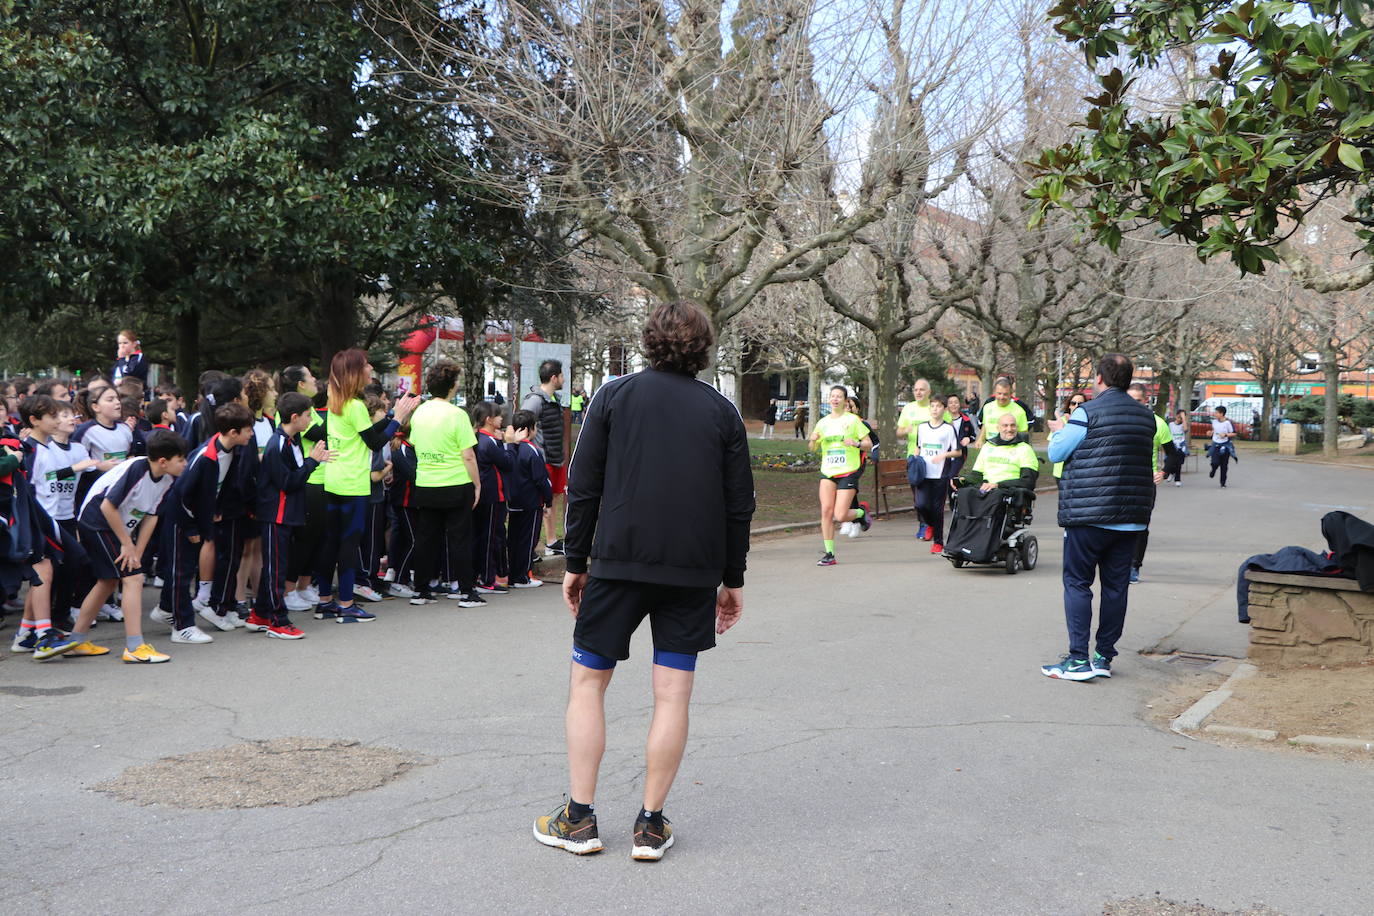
1105 500
770 418
1178 430
1223 449
543 403
799 418
691 465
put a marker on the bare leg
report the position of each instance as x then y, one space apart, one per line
586 729
667 733
842 512
551 518
132 589
827 497
99 594
38 602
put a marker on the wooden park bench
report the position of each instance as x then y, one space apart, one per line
891 473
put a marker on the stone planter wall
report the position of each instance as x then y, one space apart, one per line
1305 620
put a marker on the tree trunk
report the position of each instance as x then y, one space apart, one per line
884 409
1331 375
188 353
474 341
338 319
1163 393
1185 391
813 394
1025 387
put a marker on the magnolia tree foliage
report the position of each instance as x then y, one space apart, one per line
1280 119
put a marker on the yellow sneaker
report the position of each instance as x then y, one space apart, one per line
145 655
88 648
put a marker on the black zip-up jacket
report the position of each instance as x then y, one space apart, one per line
194 498
660 488
494 462
281 481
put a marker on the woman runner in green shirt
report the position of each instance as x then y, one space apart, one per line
348 479
842 438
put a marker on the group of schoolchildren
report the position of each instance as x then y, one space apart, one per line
228 509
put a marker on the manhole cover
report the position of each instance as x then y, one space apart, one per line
1192 661
280 772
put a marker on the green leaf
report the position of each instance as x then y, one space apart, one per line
1351 156
1213 194
1281 94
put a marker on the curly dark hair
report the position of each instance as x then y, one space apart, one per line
442 378
678 338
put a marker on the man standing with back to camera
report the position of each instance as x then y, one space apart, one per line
1107 493
660 501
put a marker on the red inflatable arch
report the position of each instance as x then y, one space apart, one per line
437 327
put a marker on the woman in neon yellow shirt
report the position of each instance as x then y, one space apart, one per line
842 438
447 487
348 478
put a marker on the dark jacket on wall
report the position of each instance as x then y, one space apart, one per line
660 495
1292 560
1351 540
1109 477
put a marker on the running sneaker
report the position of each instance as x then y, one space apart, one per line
867 521
218 621
110 612
1069 668
367 593
54 643
295 601
921 532
158 615
145 655
198 606
157 582
24 641
398 590
1135 576
937 548
577 837
847 530
286 630
650 841
353 614
471 599
420 600
389 576
192 636
493 589
87 649
827 559
256 624
555 549
532 583
1178 483
310 594
327 611
1102 665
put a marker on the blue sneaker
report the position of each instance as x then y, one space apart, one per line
327 610
24 641
921 532
1102 665
53 643
352 614
1069 668
1135 576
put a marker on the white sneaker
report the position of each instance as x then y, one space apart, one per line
218 621
294 602
533 583
192 635
1178 483
311 594
200 607
157 582
390 576
110 612
418 601
845 528
854 529
367 593
398 590
158 615
235 621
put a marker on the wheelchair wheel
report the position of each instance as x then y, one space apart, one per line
1030 552
1013 561
957 561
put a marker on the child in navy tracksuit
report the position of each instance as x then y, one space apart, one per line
528 491
194 505
494 461
280 509
400 550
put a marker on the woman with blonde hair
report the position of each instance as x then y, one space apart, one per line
352 437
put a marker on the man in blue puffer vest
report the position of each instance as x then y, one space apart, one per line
1106 496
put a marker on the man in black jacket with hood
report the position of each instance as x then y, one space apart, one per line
660 501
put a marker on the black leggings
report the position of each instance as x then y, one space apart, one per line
930 505
452 526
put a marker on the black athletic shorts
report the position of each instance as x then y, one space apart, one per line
102 550
846 481
683 618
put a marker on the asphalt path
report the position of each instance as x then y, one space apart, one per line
872 737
